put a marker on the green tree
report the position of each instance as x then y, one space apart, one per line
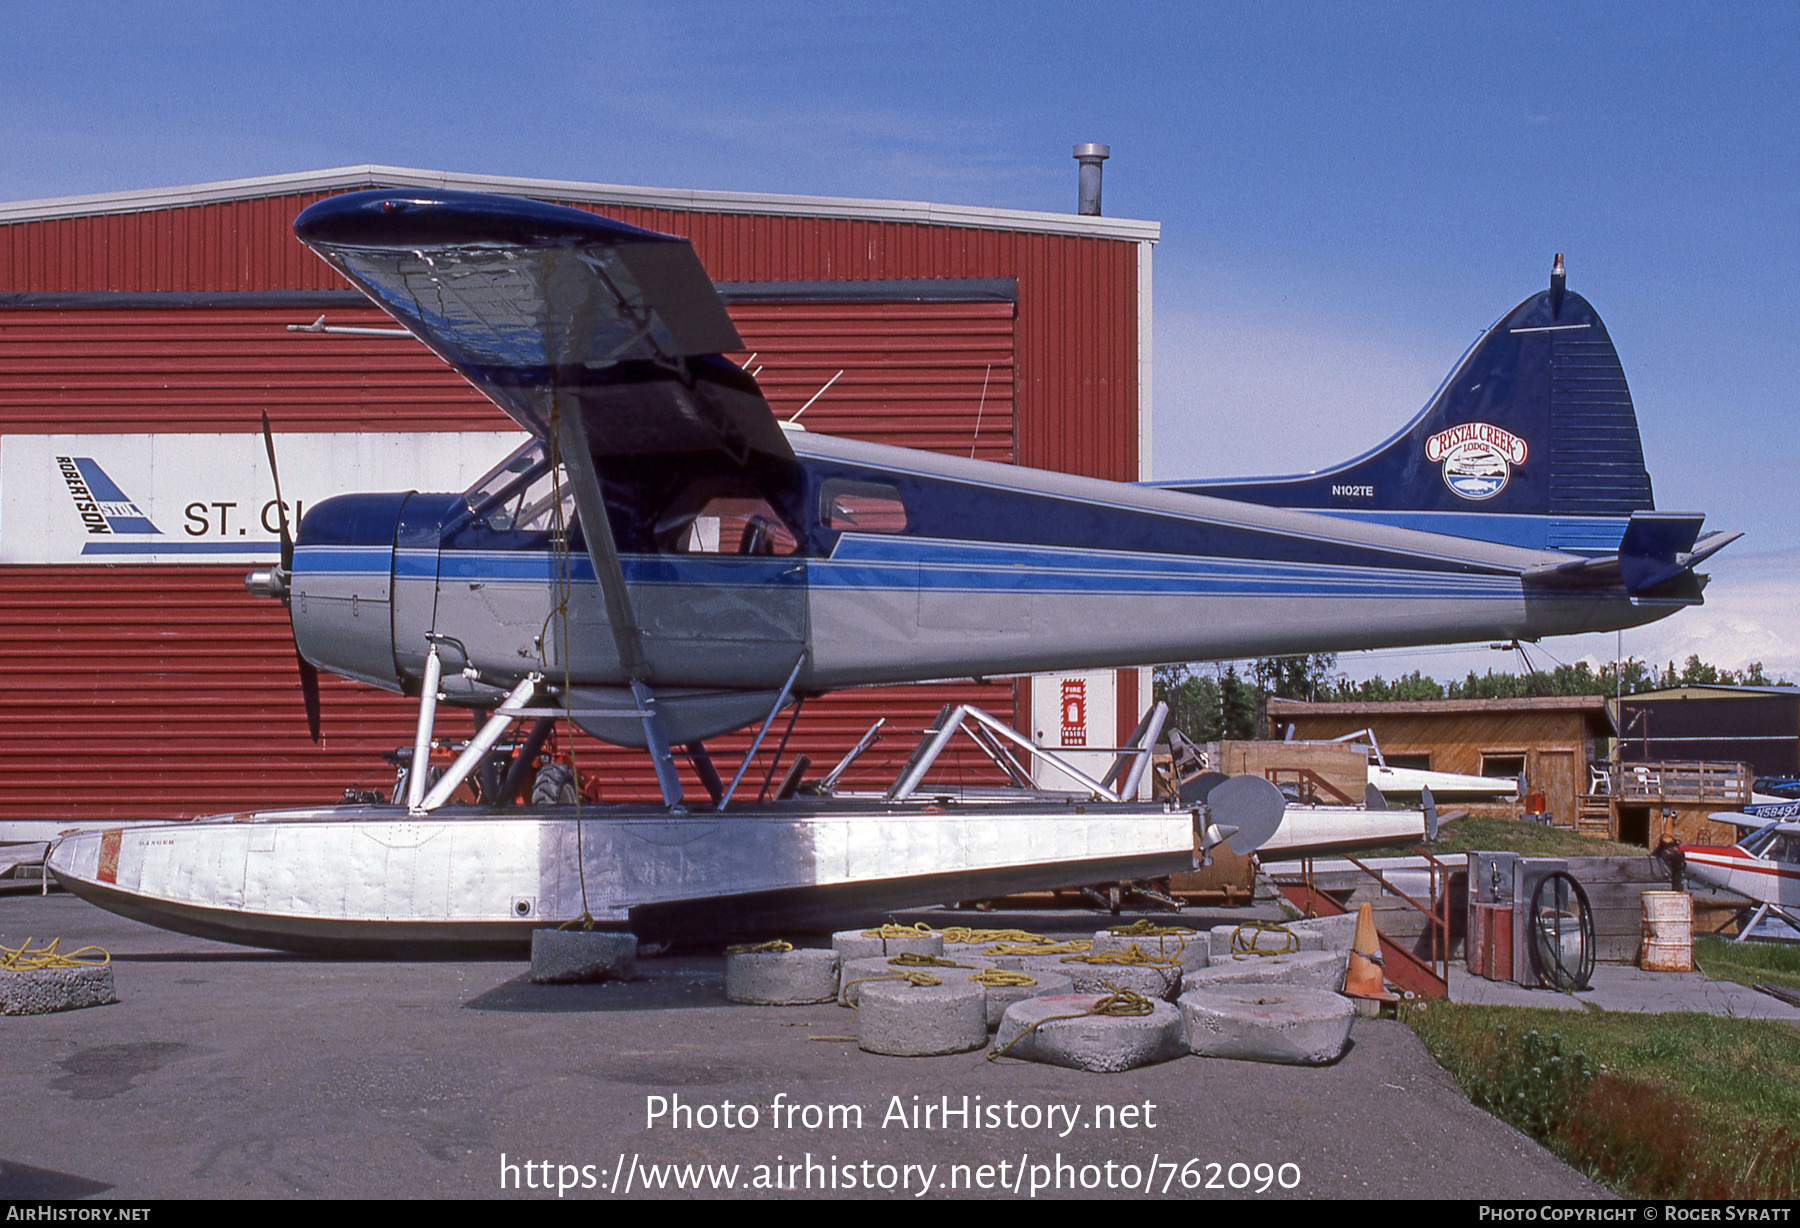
1193 700
1239 708
1306 677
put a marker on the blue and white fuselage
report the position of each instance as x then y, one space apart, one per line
976 569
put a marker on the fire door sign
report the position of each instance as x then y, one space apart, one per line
1074 712
1075 715
111 499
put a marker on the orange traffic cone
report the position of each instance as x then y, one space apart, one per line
1363 978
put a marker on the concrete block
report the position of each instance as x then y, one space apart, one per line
563 957
1326 933
55 989
860 972
905 1020
1191 950
1103 1043
1323 970
851 944
1275 1023
1151 980
781 978
999 997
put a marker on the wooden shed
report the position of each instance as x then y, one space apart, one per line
1557 743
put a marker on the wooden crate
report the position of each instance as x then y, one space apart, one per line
1330 773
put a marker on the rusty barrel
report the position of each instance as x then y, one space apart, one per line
1668 931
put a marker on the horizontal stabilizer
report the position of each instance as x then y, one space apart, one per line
1650 551
1657 549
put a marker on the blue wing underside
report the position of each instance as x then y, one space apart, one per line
541 306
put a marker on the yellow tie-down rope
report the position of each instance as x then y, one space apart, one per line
1076 946
1132 956
774 946
1146 928
908 969
1120 1003
962 933
916 930
911 960
1242 948
1162 933
914 976
1003 978
23 958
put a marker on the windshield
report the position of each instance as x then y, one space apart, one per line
532 506
499 480
1756 842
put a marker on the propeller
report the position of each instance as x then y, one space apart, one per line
277 586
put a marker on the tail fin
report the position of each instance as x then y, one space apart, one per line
1535 420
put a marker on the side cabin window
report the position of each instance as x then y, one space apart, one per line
861 507
715 517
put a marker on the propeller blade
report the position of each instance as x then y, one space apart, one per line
287 539
309 692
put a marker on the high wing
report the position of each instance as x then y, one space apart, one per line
534 302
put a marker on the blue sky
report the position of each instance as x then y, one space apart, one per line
1348 193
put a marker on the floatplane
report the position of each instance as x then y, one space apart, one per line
1763 867
665 561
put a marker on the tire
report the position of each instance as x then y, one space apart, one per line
554 786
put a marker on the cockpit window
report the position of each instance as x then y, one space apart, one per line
499 480
861 507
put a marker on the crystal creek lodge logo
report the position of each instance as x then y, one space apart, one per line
1477 458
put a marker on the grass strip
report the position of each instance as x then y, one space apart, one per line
1748 962
1527 839
1655 1106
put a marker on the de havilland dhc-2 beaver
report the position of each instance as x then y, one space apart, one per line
665 562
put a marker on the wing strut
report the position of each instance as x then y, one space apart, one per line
603 553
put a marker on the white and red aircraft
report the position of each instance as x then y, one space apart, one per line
1764 866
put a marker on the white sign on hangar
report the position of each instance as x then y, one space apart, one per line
172 498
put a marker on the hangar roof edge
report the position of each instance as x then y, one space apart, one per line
1440 707
350 178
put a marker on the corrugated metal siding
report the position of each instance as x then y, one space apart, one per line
1076 345
154 692
913 372
201 370
936 376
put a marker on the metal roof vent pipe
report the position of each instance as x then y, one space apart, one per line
1088 195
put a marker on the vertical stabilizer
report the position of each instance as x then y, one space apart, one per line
1536 420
